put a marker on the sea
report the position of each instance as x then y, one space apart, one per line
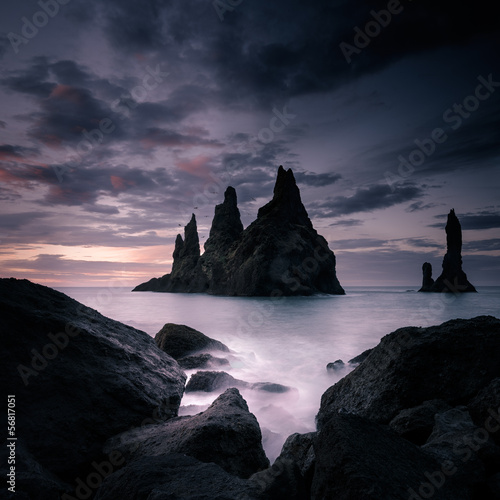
289 340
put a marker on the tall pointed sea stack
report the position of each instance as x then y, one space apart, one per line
452 279
280 253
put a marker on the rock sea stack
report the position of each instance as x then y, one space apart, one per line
279 254
452 279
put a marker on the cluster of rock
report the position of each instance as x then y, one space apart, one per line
280 253
98 403
193 349
452 279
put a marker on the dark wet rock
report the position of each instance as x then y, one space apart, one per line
299 448
451 362
281 481
485 409
416 424
279 254
32 480
456 440
174 476
335 366
360 357
204 360
269 387
452 279
226 434
359 459
427 280
209 381
493 484
180 341
78 377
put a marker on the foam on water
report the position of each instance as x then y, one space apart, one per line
287 341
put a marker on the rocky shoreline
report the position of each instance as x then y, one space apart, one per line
98 406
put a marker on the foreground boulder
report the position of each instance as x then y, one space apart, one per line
79 378
451 362
416 424
174 476
226 434
291 474
279 254
452 279
359 459
180 341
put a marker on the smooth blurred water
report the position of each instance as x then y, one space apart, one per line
290 340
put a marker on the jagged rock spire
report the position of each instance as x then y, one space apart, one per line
226 225
279 253
187 250
286 203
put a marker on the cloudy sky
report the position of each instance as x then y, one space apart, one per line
120 118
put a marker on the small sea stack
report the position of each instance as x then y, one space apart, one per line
452 279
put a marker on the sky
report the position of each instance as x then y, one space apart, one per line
120 118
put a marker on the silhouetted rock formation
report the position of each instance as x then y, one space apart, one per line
226 434
452 279
427 280
209 381
280 253
180 341
79 379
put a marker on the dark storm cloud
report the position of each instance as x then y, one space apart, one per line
316 180
15 152
32 80
420 205
472 142
348 223
155 136
289 47
70 112
14 222
423 243
4 44
492 244
84 185
366 199
481 220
